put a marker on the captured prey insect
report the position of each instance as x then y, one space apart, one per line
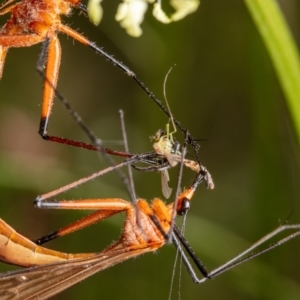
39 21
166 145
50 272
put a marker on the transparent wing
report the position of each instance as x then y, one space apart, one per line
45 281
166 190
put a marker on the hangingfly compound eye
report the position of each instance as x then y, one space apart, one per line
185 207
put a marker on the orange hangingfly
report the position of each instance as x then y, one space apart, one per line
39 21
50 272
58 271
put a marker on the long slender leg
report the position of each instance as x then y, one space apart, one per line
40 200
77 225
51 48
105 204
14 37
53 54
80 38
106 208
50 90
52 70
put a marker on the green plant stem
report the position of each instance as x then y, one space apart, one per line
283 52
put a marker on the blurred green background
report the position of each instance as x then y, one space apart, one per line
222 89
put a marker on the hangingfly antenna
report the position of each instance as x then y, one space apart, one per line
165 144
168 106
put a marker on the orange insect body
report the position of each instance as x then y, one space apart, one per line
35 16
18 250
23 252
30 23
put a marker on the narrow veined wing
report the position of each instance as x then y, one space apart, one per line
45 281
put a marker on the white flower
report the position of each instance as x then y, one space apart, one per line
182 8
130 14
95 11
159 14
